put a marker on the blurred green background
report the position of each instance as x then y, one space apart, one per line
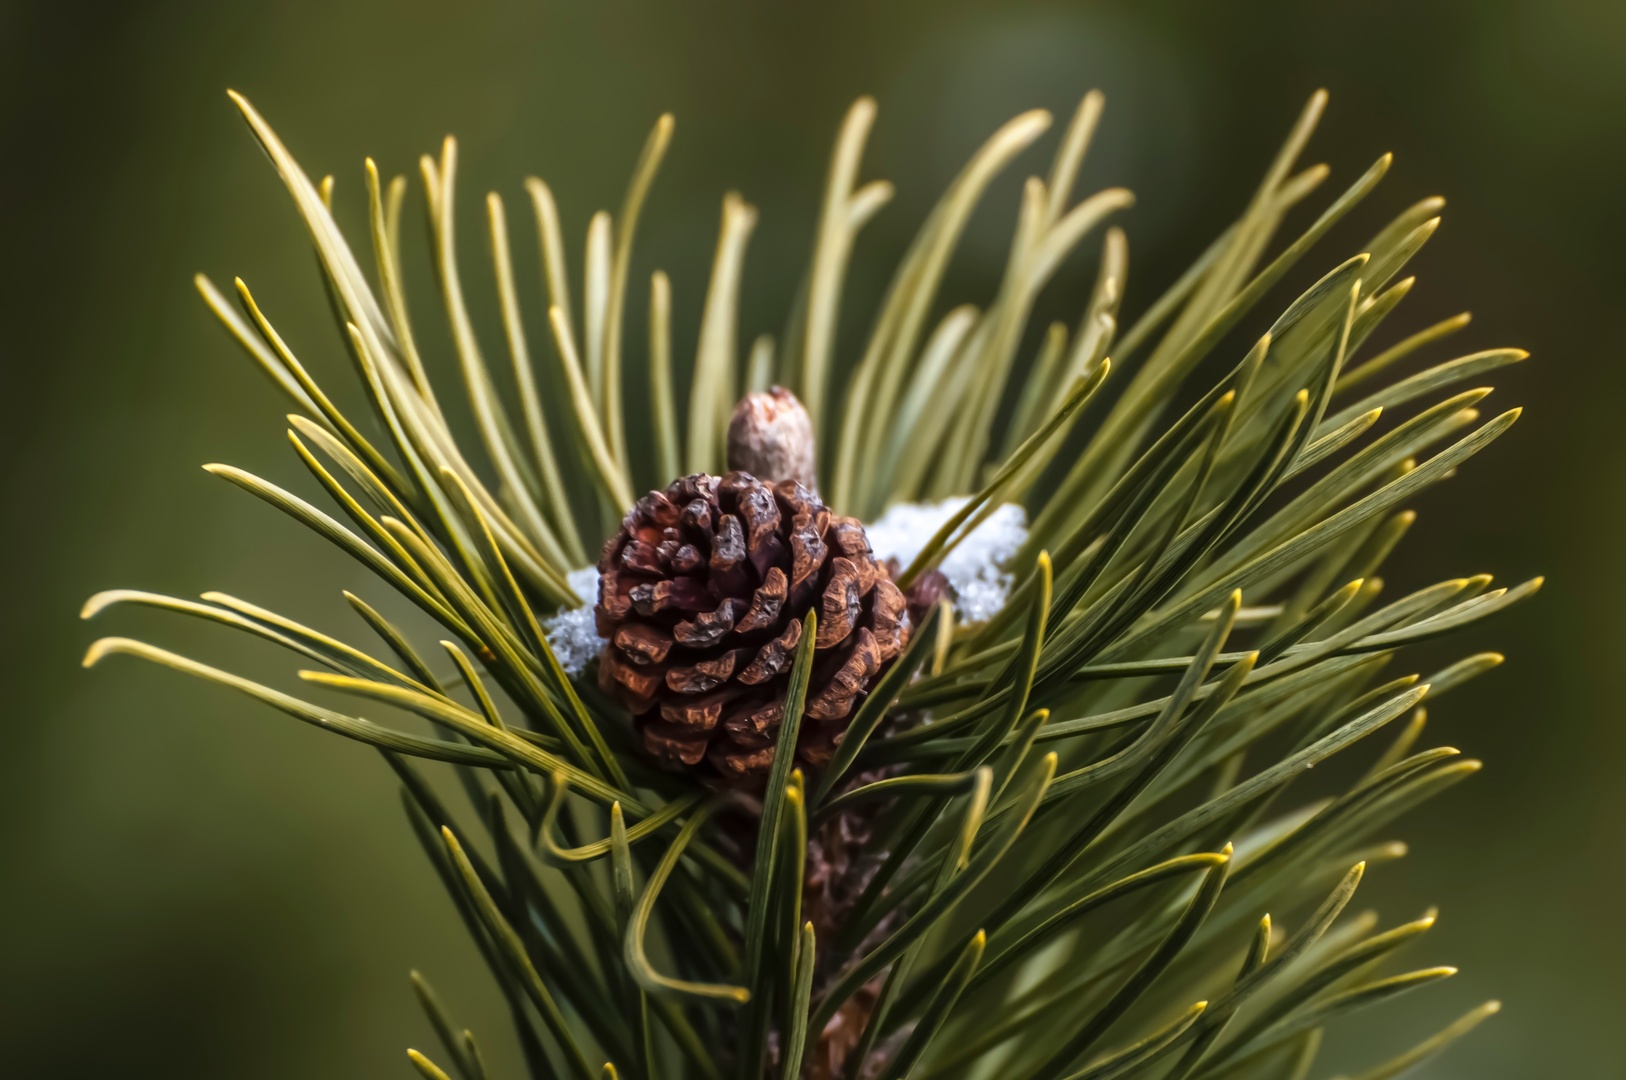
196 887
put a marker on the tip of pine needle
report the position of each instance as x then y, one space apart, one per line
1038 119
425 1067
101 602
94 654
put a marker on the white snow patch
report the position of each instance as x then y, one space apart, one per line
975 569
570 631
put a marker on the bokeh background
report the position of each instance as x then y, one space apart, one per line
196 887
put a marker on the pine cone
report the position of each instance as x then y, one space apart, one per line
701 598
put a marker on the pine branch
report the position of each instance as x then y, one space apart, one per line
1029 845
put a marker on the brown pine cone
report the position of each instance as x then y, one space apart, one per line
701 598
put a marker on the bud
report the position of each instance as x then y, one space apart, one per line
770 436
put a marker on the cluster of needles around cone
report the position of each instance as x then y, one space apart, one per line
1098 848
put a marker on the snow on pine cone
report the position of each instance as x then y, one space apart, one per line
702 593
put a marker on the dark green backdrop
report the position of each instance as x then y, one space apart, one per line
194 887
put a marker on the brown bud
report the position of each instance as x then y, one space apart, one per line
770 436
